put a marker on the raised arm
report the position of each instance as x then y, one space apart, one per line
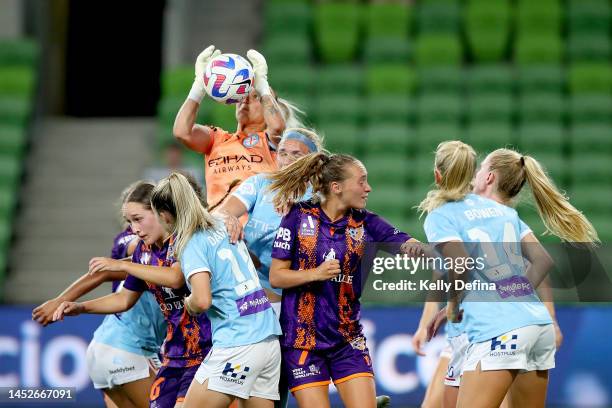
275 122
195 137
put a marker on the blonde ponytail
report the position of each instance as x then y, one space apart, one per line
456 162
175 195
559 216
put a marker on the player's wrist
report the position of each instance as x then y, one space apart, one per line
263 88
197 92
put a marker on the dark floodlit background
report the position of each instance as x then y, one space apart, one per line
89 91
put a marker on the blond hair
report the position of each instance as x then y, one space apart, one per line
456 162
311 134
318 170
560 217
175 195
291 113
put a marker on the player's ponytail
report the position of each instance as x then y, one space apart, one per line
560 217
456 162
176 195
318 170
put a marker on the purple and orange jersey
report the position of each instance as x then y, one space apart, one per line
120 247
323 315
188 338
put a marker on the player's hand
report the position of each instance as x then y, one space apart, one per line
435 323
68 309
234 227
188 307
558 335
198 91
260 69
327 270
43 314
413 248
99 264
418 339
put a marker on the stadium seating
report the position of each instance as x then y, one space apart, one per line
487 27
18 79
337 27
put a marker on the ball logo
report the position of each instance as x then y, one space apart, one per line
228 78
251 140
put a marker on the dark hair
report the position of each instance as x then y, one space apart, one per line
139 192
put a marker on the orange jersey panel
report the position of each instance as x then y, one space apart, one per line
235 156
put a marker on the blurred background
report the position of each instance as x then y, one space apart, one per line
89 91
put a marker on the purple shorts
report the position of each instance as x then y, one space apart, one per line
170 386
315 368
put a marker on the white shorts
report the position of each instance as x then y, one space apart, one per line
109 366
528 348
458 346
243 371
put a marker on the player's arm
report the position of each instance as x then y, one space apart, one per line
282 276
200 299
232 209
275 122
185 130
540 261
43 314
196 137
114 303
170 277
454 250
420 336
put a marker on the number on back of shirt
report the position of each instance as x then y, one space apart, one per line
244 283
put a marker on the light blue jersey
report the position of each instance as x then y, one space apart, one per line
140 330
483 221
241 313
260 230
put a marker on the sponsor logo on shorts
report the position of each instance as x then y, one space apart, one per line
505 344
301 372
359 343
121 370
235 374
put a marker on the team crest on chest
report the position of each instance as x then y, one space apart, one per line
251 140
356 233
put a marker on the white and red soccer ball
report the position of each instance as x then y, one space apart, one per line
228 78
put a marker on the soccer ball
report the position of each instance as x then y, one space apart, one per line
228 78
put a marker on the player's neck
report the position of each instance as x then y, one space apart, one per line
249 128
333 209
494 195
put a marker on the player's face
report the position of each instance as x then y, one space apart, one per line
144 223
289 151
481 177
249 111
355 189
